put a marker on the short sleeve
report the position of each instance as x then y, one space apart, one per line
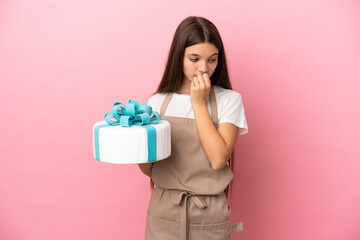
234 112
155 102
150 102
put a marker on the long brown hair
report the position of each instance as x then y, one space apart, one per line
193 30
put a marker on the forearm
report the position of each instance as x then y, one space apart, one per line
146 168
211 140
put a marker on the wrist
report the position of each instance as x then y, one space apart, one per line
198 105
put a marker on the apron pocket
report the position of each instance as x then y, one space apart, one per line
219 231
161 229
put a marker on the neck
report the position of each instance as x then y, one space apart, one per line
185 87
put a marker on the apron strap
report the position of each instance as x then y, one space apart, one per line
213 107
165 103
199 202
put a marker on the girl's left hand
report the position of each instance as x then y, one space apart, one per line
200 89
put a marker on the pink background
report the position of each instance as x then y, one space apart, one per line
64 63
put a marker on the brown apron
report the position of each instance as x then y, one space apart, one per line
189 201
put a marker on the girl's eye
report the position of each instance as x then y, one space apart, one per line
196 59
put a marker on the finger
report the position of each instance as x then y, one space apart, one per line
192 84
207 80
201 80
196 81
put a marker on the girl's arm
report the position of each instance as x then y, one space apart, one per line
146 168
218 144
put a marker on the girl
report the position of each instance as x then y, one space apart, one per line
195 96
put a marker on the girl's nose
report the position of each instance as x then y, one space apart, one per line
203 68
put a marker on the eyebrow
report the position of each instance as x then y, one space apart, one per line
194 54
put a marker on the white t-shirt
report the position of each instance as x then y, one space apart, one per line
229 103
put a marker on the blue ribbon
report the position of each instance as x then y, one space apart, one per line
131 114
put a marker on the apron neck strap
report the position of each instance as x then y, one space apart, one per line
165 103
213 107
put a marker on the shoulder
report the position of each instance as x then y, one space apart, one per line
157 97
225 96
156 100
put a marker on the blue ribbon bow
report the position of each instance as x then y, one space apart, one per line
131 114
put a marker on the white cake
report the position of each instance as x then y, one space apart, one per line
131 145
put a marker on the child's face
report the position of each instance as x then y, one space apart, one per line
204 62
